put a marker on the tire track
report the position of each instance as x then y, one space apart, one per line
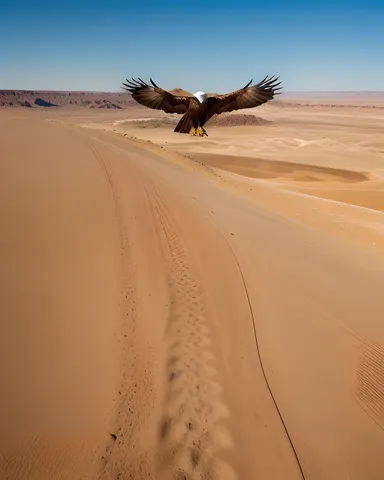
119 458
192 429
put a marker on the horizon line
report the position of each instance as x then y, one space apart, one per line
118 91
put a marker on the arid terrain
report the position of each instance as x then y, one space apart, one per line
186 308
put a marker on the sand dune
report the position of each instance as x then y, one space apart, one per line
170 311
224 120
330 154
260 168
346 186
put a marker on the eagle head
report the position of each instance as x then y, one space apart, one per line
201 96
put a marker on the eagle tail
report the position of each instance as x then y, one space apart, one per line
185 124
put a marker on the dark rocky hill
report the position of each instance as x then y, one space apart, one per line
45 99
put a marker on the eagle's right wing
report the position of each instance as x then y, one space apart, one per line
157 98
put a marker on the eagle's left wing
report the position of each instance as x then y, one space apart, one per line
152 96
246 97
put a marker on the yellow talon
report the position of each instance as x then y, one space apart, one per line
201 132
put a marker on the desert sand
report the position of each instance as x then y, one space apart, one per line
177 307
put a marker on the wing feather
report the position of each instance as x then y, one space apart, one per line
246 97
156 97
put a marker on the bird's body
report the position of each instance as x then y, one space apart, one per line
200 107
194 119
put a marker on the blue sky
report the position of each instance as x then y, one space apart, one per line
94 45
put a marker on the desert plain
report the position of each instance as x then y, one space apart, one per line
185 308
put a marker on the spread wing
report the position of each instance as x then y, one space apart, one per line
246 97
155 97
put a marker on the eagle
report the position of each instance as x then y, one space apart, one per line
198 108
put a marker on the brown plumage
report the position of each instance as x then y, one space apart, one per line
199 108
